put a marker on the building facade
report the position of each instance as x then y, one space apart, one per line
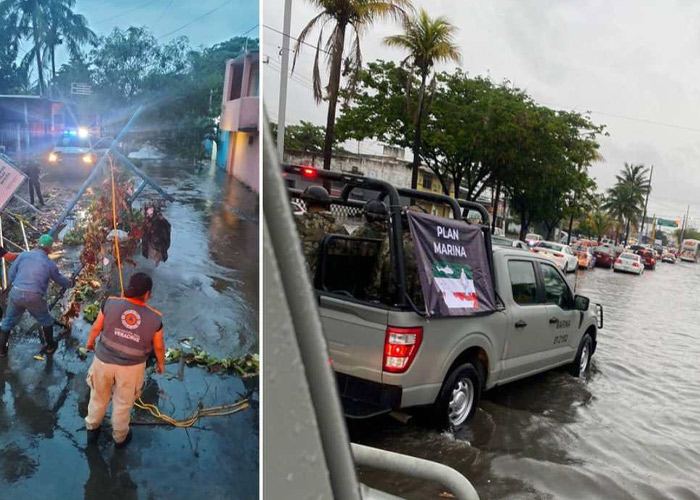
239 130
29 124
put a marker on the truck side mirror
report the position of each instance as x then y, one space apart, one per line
581 303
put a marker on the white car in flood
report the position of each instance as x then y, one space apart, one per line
562 255
629 263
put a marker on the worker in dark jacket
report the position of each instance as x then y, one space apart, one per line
129 330
33 171
29 279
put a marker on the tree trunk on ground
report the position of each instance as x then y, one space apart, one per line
417 133
496 200
333 90
627 231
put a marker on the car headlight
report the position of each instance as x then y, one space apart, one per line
53 157
87 159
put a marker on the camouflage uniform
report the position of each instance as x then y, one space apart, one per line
380 231
384 279
312 227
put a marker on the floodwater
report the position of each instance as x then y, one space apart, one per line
208 290
631 431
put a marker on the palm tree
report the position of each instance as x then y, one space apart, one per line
63 25
600 222
358 15
624 203
31 22
636 176
428 41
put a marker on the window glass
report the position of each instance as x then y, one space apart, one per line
523 281
555 287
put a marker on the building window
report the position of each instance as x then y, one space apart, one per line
427 181
253 82
236 80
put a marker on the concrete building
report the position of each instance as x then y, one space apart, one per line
29 124
239 132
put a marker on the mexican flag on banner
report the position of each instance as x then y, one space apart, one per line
456 283
453 266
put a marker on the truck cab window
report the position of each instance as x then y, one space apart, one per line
523 281
557 291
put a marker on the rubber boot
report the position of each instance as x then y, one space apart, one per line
4 343
51 344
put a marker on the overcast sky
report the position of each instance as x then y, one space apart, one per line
634 64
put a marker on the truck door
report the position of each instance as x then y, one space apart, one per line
528 329
562 318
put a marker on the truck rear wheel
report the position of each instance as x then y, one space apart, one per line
459 396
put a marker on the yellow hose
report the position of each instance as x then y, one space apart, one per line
214 411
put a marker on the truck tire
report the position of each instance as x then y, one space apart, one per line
582 363
459 396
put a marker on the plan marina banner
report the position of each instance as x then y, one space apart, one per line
453 266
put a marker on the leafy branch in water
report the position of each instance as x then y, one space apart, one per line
91 311
244 366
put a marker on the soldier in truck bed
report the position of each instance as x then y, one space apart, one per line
315 224
376 217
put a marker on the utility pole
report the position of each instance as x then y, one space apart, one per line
284 77
685 222
646 201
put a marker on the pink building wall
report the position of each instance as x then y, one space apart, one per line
240 116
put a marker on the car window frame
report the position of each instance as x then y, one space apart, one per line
539 299
544 288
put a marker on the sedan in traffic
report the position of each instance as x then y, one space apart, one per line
604 256
562 255
629 263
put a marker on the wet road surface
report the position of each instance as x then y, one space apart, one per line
631 431
208 289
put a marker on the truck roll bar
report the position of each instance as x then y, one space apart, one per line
356 181
473 205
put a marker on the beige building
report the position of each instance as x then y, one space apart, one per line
239 131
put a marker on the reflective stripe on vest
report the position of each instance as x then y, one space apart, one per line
129 327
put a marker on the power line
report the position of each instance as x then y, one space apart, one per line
197 19
293 76
296 39
161 15
126 12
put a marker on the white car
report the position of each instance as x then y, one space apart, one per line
532 238
629 263
562 255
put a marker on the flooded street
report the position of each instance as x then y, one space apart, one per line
208 290
631 431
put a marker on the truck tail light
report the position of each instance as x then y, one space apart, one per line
400 347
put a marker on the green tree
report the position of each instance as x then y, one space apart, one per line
14 78
428 41
625 200
305 137
30 19
63 26
342 14
600 223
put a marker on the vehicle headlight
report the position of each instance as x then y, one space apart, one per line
87 159
53 157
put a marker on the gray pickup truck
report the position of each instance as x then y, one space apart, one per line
539 324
